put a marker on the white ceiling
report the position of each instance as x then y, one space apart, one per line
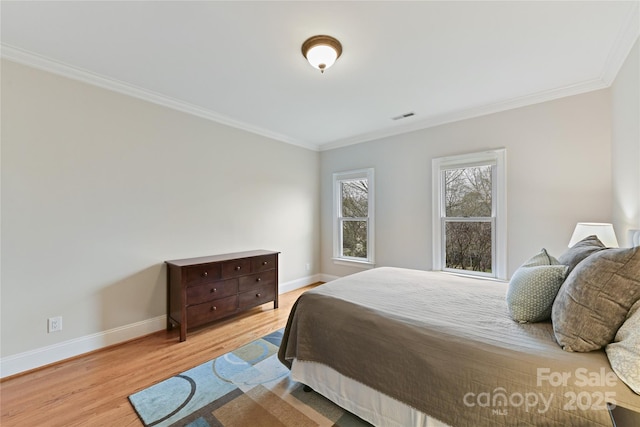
239 62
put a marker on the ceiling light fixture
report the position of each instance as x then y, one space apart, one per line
321 51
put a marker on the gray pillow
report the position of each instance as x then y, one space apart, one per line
541 258
624 351
580 251
533 288
595 299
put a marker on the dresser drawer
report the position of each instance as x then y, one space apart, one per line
263 263
211 291
208 311
257 296
256 280
235 268
199 274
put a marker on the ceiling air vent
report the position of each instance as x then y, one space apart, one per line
403 116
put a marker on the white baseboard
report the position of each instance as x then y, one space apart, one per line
327 278
304 281
43 356
292 285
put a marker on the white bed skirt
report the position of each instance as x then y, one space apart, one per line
367 403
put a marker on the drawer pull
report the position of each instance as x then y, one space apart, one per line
258 295
238 268
205 274
213 290
258 279
213 308
264 263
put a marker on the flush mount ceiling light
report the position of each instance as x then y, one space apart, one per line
321 51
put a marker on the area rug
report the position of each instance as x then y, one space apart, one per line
247 387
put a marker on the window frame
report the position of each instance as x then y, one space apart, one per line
338 178
497 158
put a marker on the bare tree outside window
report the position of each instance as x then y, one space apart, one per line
470 213
468 221
354 213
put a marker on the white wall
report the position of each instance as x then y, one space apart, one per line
625 112
558 173
99 189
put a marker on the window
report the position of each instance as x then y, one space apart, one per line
353 216
469 214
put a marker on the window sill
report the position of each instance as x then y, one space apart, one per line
353 263
475 276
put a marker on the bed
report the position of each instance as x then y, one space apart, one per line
401 347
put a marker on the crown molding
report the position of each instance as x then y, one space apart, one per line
629 33
470 113
31 59
627 36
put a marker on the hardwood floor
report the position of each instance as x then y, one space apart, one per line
92 390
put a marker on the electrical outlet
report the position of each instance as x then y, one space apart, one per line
54 324
308 266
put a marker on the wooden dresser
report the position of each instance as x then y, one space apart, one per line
201 290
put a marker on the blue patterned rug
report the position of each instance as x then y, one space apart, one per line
246 387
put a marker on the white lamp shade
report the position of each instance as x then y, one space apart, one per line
603 231
322 55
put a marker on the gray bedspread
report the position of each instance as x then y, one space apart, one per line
445 345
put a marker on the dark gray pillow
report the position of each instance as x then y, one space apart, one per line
595 299
533 288
580 251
